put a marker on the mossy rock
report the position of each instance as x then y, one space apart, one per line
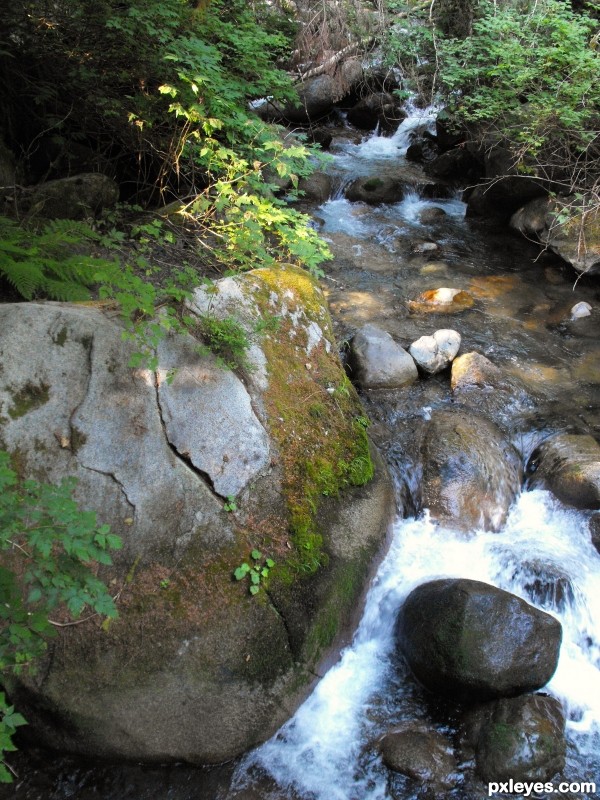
195 668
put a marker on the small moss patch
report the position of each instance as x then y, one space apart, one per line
28 399
373 184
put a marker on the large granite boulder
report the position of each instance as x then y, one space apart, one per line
570 227
568 465
471 474
469 640
193 466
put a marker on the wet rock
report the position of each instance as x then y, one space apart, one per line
316 187
519 737
429 215
424 247
466 639
376 109
595 531
420 753
570 227
77 197
375 190
569 466
474 370
316 97
580 310
376 361
479 384
320 136
457 164
546 584
174 679
471 474
442 301
422 149
435 353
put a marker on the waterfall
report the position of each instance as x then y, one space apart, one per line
323 751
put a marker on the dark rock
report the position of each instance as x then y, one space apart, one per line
376 109
375 190
74 198
500 198
320 136
469 640
421 150
595 531
429 215
420 753
457 164
520 738
316 187
569 466
471 474
448 133
576 239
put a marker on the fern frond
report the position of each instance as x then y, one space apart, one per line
26 276
64 291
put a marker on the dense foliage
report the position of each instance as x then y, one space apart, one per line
50 551
156 94
528 76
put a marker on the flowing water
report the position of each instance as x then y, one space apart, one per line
385 257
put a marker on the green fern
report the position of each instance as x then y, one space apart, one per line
42 264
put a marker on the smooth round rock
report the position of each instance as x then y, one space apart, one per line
419 753
468 640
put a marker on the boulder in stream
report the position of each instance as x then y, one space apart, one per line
471 474
468 640
518 737
195 669
569 466
376 109
435 353
375 190
420 753
376 361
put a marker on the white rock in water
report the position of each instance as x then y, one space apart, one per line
435 353
582 309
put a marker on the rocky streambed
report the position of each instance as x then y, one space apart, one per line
481 380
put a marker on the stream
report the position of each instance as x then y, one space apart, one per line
385 257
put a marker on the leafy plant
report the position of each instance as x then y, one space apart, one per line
230 504
257 571
51 552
